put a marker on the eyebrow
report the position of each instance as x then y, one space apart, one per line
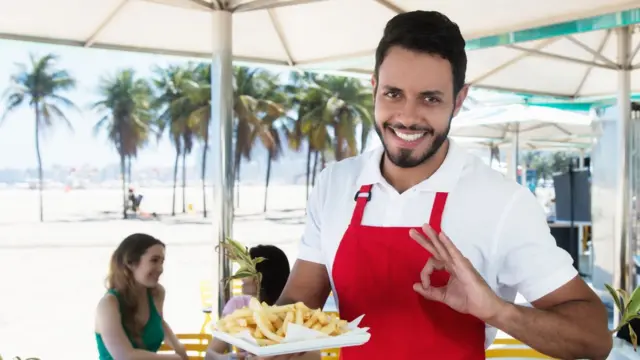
425 93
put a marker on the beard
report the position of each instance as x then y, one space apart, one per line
405 157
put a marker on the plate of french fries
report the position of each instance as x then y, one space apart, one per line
265 330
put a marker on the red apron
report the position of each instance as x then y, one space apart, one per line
373 273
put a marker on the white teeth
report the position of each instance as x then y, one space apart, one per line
408 137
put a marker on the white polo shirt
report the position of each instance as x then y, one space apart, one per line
496 223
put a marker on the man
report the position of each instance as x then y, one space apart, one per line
438 290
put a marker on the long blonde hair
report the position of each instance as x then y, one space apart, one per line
121 279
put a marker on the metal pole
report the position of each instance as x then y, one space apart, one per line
516 152
221 140
621 269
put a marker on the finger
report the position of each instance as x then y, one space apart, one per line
427 270
437 244
430 292
451 248
415 235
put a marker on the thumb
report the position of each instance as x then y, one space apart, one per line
430 292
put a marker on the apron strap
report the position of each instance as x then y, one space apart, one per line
362 197
435 221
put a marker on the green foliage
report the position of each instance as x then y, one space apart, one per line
629 308
239 254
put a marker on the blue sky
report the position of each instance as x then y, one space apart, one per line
61 146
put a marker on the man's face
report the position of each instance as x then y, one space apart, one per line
414 104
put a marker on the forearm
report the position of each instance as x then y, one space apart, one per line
148 355
313 302
312 296
172 340
573 330
213 355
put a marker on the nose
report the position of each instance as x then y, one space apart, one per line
409 113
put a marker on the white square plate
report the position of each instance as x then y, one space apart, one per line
346 340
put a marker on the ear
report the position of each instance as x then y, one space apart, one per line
374 85
460 98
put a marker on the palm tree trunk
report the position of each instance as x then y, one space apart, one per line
238 186
266 182
314 170
184 182
308 169
175 181
236 164
39 160
338 148
203 174
124 190
129 169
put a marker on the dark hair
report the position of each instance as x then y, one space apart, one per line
427 32
121 278
275 271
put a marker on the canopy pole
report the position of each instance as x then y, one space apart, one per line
623 269
221 145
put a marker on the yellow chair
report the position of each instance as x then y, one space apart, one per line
513 352
195 344
331 354
206 296
507 341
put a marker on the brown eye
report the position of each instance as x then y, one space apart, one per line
432 100
392 94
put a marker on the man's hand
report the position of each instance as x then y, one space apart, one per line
466 291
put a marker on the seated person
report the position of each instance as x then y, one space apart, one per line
129 322
275 272
134 200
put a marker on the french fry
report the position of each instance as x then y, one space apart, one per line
268 325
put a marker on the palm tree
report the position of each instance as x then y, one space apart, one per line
188 139
197 102
253 89
308 100
40 85
170 84
255 111
351 104
126 116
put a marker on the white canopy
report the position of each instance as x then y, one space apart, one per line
539 123
342 34
567 144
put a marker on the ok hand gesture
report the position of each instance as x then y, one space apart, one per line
466 291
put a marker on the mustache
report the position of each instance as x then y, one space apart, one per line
413 127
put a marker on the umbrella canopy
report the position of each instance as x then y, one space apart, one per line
535 123
343 34
568 144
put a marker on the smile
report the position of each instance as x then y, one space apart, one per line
408 137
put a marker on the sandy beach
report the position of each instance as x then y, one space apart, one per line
52 274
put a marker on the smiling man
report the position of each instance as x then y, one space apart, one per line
425 239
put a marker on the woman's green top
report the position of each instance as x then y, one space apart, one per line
152 333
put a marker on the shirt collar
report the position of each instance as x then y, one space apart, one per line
443 180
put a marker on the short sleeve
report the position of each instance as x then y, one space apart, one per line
310 248
235 303
531 262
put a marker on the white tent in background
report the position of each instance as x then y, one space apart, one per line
531 126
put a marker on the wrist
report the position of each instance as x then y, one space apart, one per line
503 311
